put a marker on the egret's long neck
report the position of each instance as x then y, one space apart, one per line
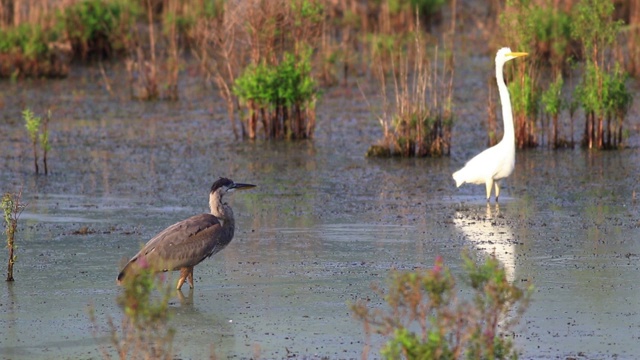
507 114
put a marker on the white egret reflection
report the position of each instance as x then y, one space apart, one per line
489 233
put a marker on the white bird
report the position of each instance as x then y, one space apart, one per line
496 162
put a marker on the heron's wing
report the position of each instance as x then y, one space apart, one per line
185 243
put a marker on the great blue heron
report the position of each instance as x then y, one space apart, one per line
496 162
185 244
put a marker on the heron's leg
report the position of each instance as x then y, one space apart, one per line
190 276
489 185
497 185
184 273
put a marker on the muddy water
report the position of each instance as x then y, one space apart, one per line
323 224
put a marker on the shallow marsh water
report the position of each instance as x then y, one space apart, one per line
322 226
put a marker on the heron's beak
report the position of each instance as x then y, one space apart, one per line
517 54
239 186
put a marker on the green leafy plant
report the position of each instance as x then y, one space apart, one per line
12 208
95 28
32 123
525 100
541 27
144 332
38 131
552 104
31 50
282 96
424 319
602 92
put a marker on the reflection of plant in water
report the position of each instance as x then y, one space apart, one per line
425 319
143 332
12 208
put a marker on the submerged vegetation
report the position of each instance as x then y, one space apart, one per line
425 319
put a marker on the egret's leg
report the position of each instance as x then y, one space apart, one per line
184 273
497 184
489 185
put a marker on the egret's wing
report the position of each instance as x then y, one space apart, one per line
185 243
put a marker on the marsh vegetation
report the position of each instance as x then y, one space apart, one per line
272 62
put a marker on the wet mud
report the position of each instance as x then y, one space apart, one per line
323 224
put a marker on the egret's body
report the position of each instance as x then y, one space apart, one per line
496 162
185 244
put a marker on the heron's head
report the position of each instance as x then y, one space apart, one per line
224 186
505 54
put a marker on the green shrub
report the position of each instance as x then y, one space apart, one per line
283 95
552 104
96 28
424 319
28 40
525 101
544 30
602 94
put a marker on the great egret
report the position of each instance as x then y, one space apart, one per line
496 162
185 244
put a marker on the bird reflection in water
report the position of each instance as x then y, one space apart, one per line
489 233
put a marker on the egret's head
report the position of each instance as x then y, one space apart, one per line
505 54
224 185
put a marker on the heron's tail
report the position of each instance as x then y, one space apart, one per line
127 268
120 277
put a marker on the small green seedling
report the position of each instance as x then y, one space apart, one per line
32 123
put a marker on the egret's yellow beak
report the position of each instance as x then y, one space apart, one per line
517 54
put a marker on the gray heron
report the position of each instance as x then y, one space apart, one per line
185 244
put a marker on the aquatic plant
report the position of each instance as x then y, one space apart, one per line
12 208
32 123
38 131
424 319
605 100
552 104
144 332
525 100
96 29
417 123
262 64
31 50
44 141
543 28
152 47
602 93
283 97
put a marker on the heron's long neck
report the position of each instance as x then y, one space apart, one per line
224 213
507 114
